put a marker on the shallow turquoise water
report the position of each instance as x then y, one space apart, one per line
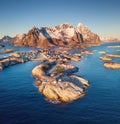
21 103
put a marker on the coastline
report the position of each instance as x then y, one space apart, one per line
55 57
59 58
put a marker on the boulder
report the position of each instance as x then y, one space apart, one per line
38 82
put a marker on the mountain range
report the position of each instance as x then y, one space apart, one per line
109 39
60 35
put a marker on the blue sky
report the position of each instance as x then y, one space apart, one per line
101 16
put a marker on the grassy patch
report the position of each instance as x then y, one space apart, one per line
59 69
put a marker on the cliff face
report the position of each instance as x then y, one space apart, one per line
60 35
87 35
35 37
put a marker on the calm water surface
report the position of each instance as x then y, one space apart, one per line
21 103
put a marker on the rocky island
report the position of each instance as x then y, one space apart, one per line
112 65
60 84
108 57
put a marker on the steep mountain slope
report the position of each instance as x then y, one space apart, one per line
88 36
61 35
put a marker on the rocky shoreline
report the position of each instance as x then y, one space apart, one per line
7 51
55 76
56 80
16 58
38 55
59 85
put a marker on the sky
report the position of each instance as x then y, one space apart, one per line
19 16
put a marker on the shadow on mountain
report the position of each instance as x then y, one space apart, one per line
81 37
48 36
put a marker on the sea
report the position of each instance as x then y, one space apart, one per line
21 103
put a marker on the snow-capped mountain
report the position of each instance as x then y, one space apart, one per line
109 39
6 39
63 34
87 34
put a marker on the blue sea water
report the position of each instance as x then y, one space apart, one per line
21 103
17 49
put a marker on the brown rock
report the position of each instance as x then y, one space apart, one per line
105 58
113 55
112 65
60 35
59 86
64 92
39 71
38 82
7 51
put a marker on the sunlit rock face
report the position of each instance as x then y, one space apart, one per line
87 35
63 86
60 35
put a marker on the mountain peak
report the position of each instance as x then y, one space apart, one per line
59 35
108 39
81 25
65 25
33 30
6 39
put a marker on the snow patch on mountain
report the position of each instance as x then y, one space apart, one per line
20 36
56 35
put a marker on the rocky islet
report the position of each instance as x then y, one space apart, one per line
108 57
60 86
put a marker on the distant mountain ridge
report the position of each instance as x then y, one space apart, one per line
60 35
109 39
6 39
